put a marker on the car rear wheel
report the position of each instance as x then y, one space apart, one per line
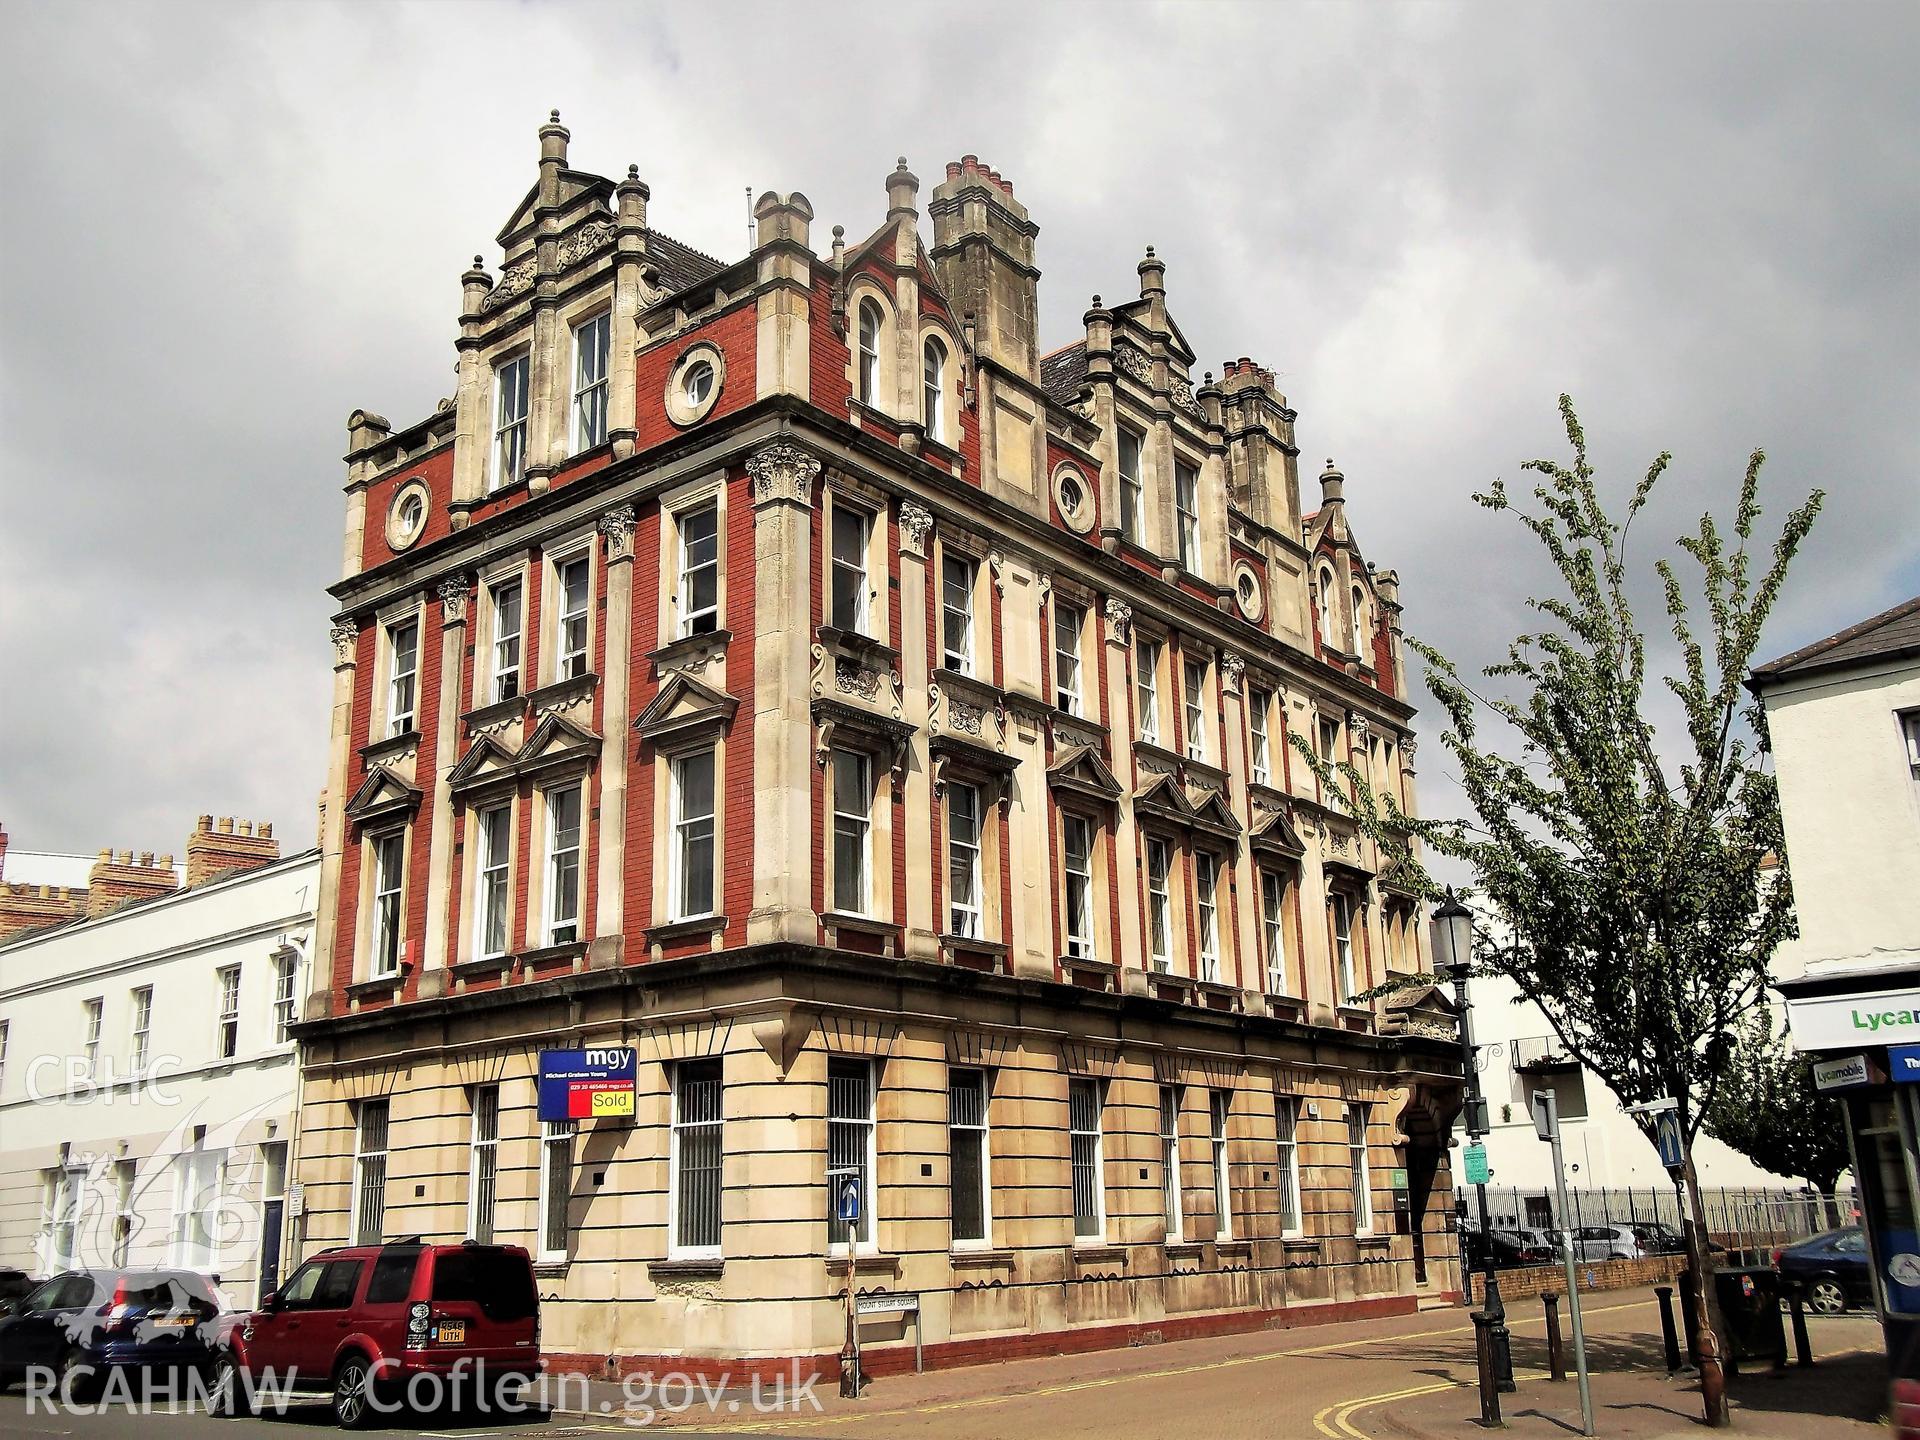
353 1404
1826 1297
227 1394
80 1378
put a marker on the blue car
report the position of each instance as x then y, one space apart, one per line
81 1325
1832 1270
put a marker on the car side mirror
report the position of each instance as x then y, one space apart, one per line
8 1307
270 1301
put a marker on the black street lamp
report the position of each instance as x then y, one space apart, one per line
1453 960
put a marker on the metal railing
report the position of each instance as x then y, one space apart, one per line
1738 1218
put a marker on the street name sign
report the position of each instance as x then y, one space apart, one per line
1476 1165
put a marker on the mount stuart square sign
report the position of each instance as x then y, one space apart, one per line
588 1084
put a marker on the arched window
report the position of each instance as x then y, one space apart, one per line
870 322
933 387
1329 628
1359 618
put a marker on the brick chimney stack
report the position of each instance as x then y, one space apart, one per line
119 877
983 254
29 907
227 848
3 852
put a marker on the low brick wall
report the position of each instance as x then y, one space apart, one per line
1537 1280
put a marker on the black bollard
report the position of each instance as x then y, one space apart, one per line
1489 1385
1556 1360
1667 1335
1689 1317
1797 1309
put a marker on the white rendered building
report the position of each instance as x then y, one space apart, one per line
146 1073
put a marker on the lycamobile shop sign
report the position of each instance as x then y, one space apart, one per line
1834 1022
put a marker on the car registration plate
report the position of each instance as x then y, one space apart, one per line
452 1332
175 1322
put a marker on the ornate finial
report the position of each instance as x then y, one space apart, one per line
1096 302
553 117
839 232
479 262
633 172
1150 252
1329 462
902 162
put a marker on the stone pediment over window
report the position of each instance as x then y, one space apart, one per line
1272 833
855 727
383 795
1212 817
1082 772
966 710
1162 796
857 671
1427 1011
558 744
486 763
1073 732
686 709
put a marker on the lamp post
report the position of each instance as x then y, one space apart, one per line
1453 960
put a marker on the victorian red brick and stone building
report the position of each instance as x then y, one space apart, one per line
782 666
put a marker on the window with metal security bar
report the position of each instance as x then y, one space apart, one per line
1170 1163
1286 1116
969 1183
850 1146
1362 1176
591 348
483 1162
697 1158
556 1189
370 1172
1089 1181
1219 1108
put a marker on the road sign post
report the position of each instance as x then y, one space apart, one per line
843 1202
1546 1120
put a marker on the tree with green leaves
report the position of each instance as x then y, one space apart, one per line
1621 880
1767 1108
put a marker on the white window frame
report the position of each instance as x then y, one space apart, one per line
592 360
856 824
403 686
64 1207
556 1188
856 565
1076 919
389 902
697 619
863 1238
1146 683
1068 671
956 620
286 994
504 643
483 1163
1259 760
1186 512
689 829
1132 484
1329 635
570 659
5 1027
93 1018
963 859
227 1033
1273 930
1361 1166
1340 918
960 1078
1193 698
1097 1135
1286 1110
933 389
1206 906
140 1029
1219 1114
511 382
1159 906
370 1171
558 858
492 876
1172 1197
679 1128
1910 736
199 1180
871 341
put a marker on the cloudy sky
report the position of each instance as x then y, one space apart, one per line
229 225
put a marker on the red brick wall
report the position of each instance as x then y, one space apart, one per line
1536 1280
436 468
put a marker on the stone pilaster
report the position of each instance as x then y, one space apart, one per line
629 294
781 478
917 592
616 530
436 952
1118 629
333 821
784 335
472 427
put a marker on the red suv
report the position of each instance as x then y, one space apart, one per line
378 1327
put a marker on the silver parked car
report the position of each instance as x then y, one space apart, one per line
1609 1242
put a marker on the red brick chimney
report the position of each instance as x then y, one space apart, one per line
29 907
3 852
231 846
119 877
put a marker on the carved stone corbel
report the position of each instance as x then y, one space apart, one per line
1120 620
453 600
916 526
783 471
345 637
616 528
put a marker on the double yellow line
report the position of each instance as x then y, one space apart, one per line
1336 1421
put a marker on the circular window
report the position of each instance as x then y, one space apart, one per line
1074 497
407 515
1246 591
695 384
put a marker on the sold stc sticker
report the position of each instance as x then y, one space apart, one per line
1904 1269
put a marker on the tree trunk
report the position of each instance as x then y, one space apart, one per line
1713 1385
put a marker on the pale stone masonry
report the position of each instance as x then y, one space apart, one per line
785 669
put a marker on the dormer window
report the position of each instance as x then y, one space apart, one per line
1329 633
510 422
591 345
1131 490
869 373
933 389
1359 608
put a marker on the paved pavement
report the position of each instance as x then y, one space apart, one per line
1406 1378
